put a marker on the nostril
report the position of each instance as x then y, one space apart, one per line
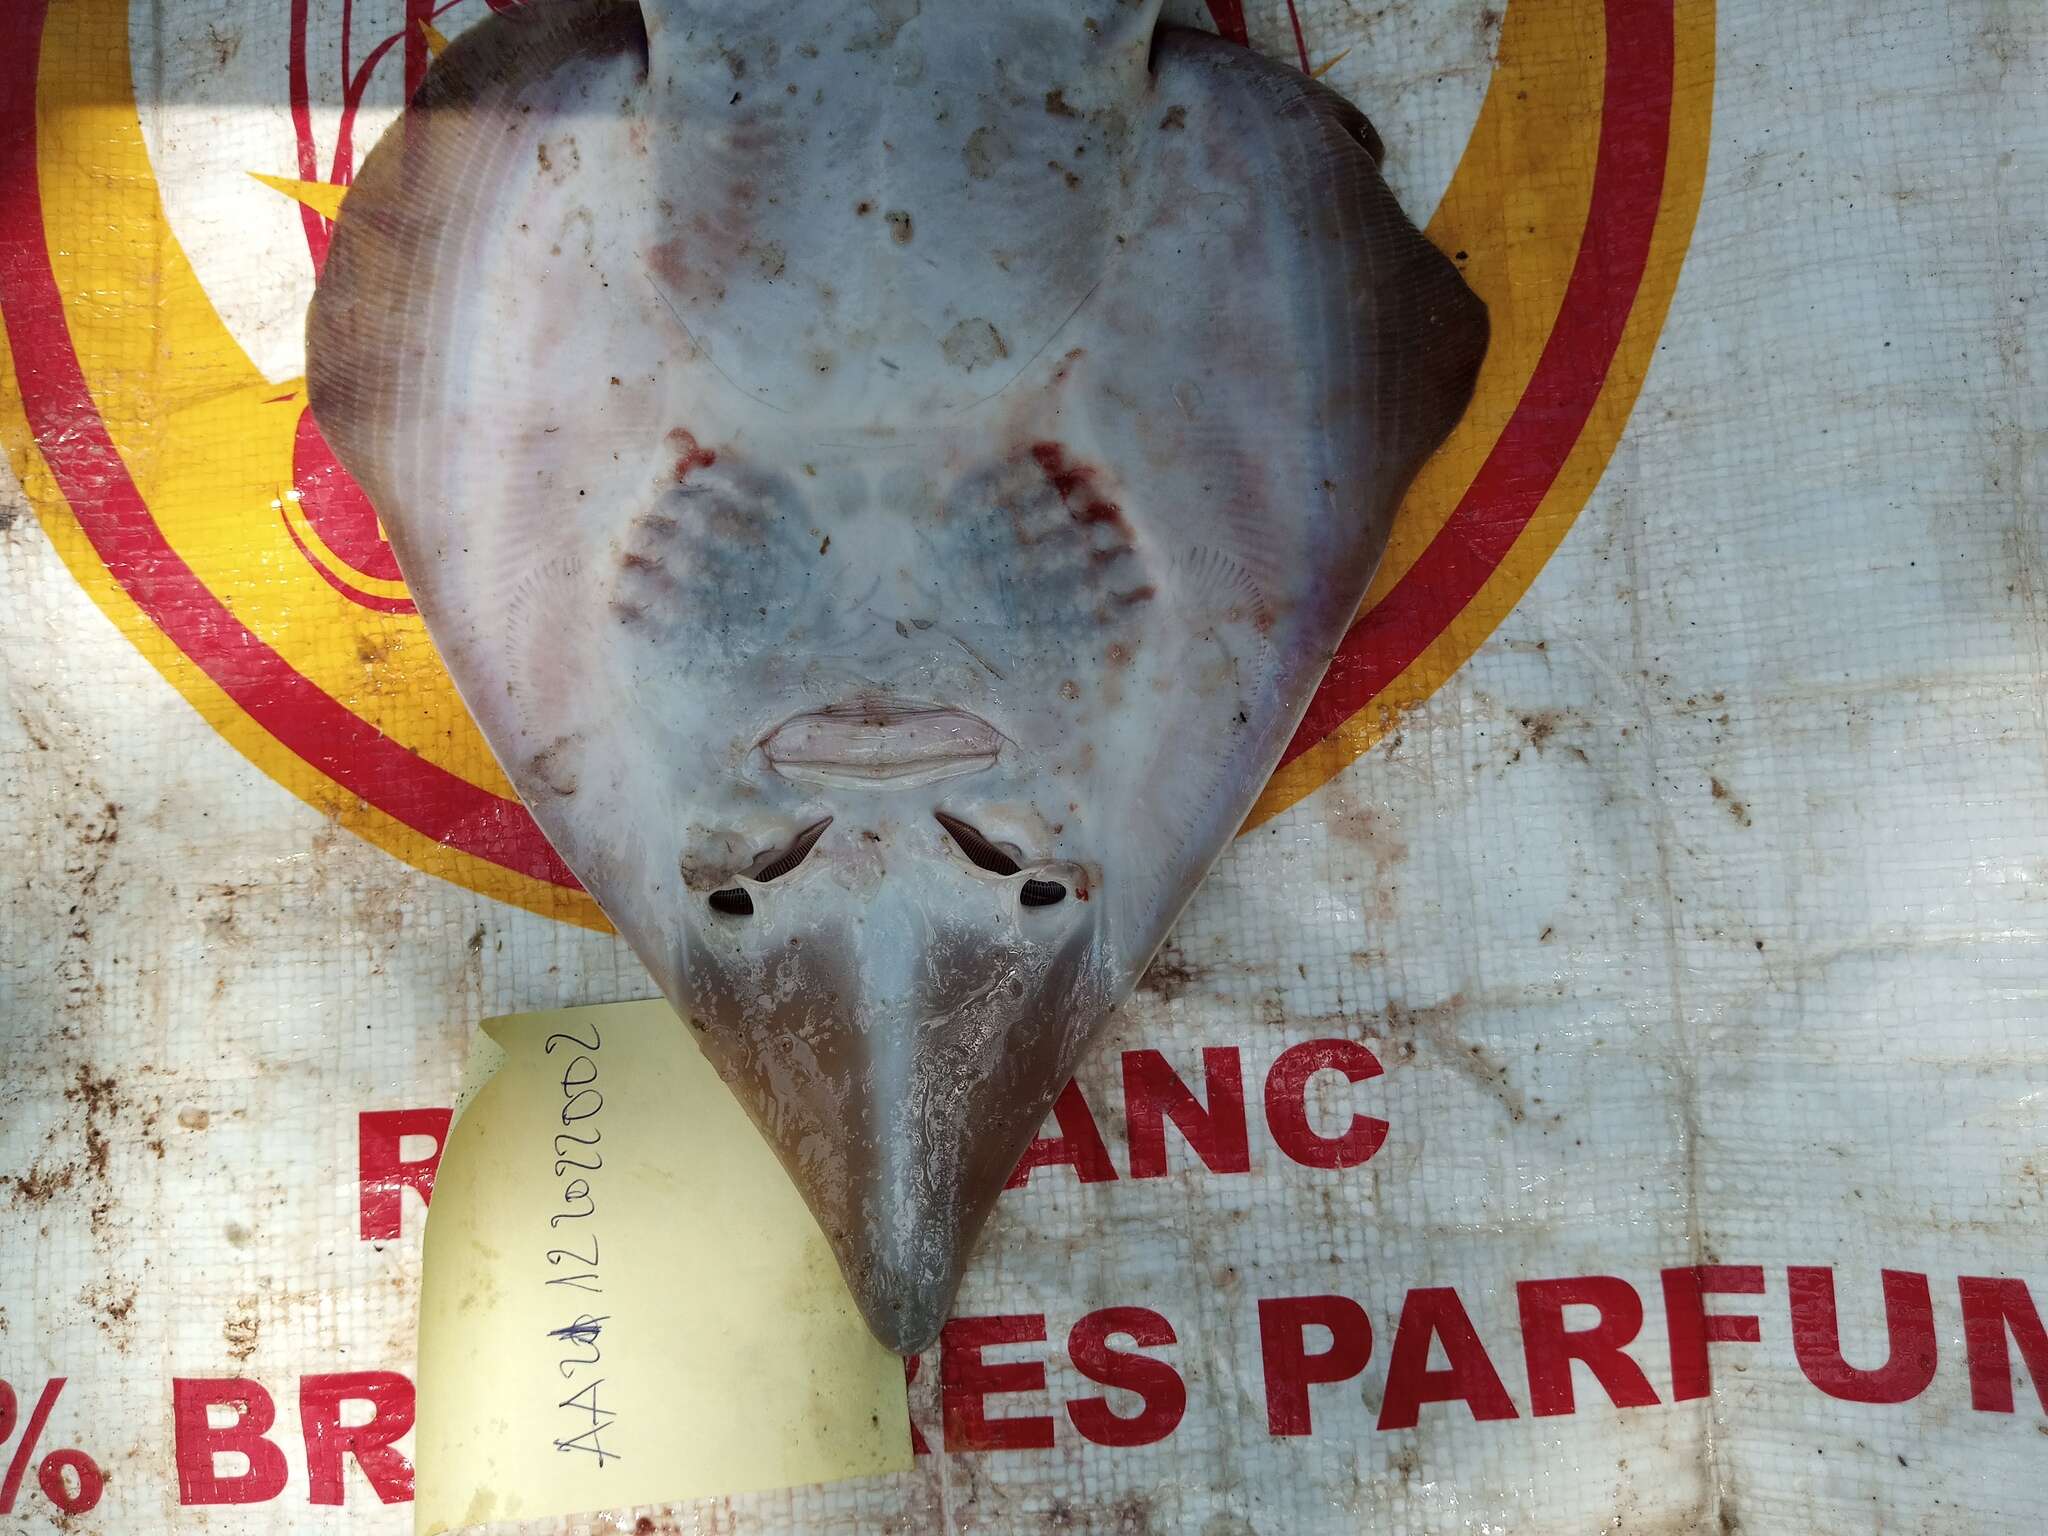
1041 893
737 901
979 850
793 855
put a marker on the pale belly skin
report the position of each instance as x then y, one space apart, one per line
887 490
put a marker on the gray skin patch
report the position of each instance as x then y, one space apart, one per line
984 151
973 344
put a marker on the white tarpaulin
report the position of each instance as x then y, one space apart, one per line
1605 1089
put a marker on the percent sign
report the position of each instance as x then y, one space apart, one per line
50 1474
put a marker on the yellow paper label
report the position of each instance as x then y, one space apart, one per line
624 1299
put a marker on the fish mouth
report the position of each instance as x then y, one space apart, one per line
881 744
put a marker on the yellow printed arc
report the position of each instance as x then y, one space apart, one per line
236 726
1515 206
208 443
207 438
1684 179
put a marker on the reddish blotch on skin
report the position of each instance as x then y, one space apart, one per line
1072 481
692 455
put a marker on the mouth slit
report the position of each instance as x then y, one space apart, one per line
880 743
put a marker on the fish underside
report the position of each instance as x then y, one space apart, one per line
886 481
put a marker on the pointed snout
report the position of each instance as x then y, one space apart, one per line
904 1270
947 1134
898 1038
